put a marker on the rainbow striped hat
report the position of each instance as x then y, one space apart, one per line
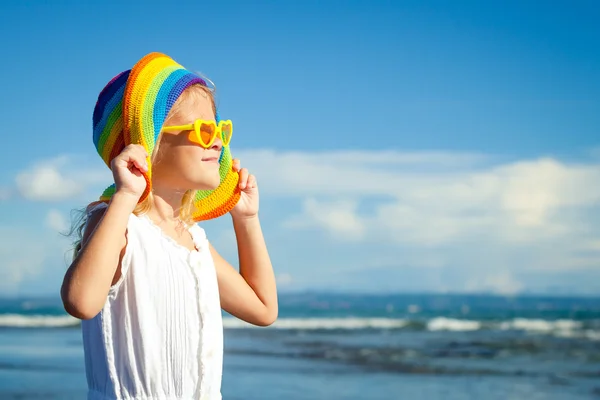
132 108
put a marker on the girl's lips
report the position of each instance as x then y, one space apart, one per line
211 159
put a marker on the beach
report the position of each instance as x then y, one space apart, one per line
351 347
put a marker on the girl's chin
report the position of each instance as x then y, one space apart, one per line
205 185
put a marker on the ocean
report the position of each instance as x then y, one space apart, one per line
343 346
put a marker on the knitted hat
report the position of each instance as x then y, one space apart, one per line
132 108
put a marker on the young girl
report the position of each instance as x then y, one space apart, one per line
146 282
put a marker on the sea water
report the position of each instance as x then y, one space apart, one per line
351 347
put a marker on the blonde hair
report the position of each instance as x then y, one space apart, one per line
189 95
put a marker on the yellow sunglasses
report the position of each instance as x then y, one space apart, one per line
206 131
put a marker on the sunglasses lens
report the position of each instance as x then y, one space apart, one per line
207 133
226 130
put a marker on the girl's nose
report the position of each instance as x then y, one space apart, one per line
217 144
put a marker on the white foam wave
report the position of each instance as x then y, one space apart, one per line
565 328
34 321
540 325
589 334
324 323
450 324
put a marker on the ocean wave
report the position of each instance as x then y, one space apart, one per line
560 328
589 334
37 321
451 324
324 323
564 328
540 325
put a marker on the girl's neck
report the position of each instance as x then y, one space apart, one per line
166 205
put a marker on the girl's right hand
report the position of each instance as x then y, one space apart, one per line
128 168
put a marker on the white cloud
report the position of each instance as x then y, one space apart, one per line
490 218
22 258
5 193
336 173
590 245
503 283
56 221
29 254
58 179
339 218
46 182
284 280
531 213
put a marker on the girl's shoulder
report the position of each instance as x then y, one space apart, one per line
142 225
94 209
135 227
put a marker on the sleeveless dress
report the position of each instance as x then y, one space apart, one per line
160 332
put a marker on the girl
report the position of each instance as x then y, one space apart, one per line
145 281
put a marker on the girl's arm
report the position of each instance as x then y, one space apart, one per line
98 265
251 294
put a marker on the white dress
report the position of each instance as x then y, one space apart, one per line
160 333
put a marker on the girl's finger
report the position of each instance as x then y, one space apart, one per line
142 166
141 150
243 178
136 149
139 161
252 181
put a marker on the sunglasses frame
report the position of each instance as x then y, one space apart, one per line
197 124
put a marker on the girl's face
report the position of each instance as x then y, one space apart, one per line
181 163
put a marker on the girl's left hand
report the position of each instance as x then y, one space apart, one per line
247 206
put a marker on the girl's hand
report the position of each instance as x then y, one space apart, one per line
128 168
247 206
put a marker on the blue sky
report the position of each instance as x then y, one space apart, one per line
399 146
